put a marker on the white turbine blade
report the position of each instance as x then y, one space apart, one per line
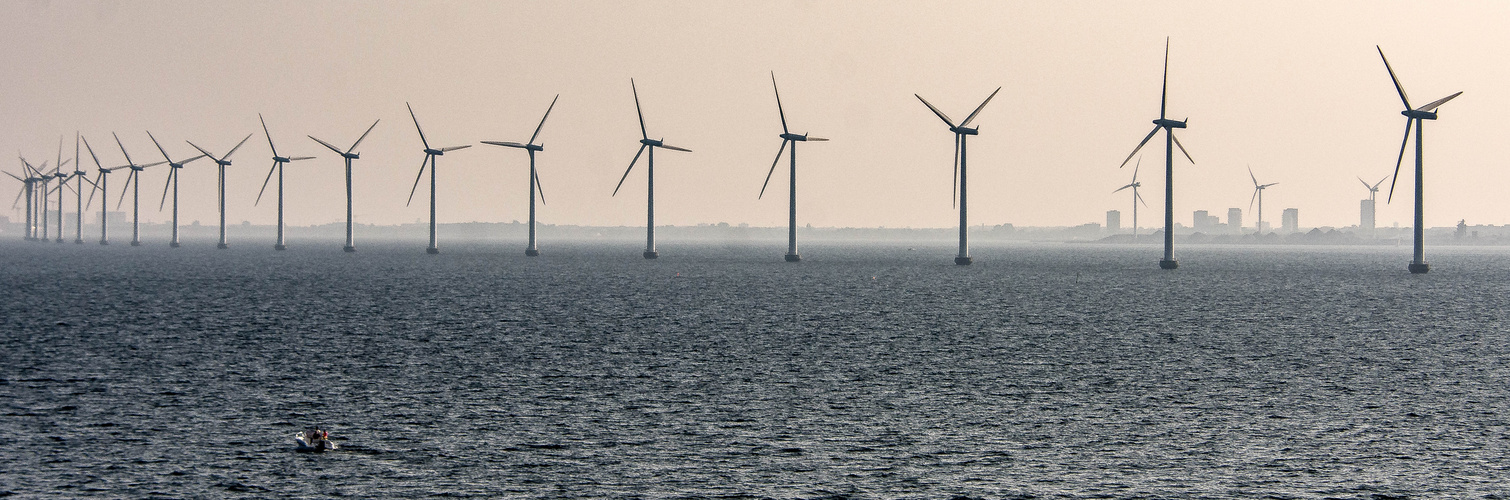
227 156
1269 184
454 148
196 146
91 154
1181 146
1250 175
538 187
166 185
1140 146
978 108
506 144
637 111
326 144
767 182
1122 188
416 126
1392 77
1432 106
816 139
1254 197
268 134
631 167
936 111
126 187
1398 160
118 143
542 121
369 131
159 146
674 148
264 183
779 111
297 158
422 164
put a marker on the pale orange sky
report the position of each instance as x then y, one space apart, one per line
1293 88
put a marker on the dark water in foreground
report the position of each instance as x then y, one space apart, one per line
1043 371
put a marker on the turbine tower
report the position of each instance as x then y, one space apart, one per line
1137 198
1416 116
173 183
961 132
430 154
646 142
133 179
39 197
82 176
27 188
1258 193
534 180
787 137
278 162
348 155
62 178
1170 142
100 183
222 162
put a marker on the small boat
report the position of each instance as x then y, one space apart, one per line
314 439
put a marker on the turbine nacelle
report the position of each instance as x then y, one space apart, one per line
223 163
965 130
1419 115
1167 123
800 137
652 143
281 159
434 152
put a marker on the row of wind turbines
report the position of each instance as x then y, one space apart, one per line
36 177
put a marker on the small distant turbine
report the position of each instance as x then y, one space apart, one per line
222 162
1258 194
100 183
534 180
1415 116
1373 190
82 176
1170 142
430 154
787 137
349 155
646 143
62 178
961 132
1137 198
172 182
133 179
278 162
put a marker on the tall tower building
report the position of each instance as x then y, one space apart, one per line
1290 220
1366 216
1235 219
1113 221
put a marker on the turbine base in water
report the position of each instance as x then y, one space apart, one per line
348 249
532 252
432 250
962 261
791 257
173 245
1419 267
651 255
136 243
222 246
1169 264
78 242
103 242
280 246
59 240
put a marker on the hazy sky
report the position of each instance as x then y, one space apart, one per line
1293 88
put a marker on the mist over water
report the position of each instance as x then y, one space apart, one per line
1078 371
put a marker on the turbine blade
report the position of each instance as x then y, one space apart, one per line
1164 93
126 187
1140 146
326 144
816 139
779 111
542 120
631 167
978 108
454 148
1250 175
1135 169
1403 142
90 202
369 130
637 111
1381 181
268 134
297 158
264 183
1433 105
538 187
227 156
1392 77
506 144
1139 196
416 127
1122 188
91 153
1251 198
1365 184
767 182
1269 184
19 192
118 143
421 174
159 146
1181 146
954 184
674 148
936 111
171 172
186 162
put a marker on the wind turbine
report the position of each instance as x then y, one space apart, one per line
62 178
349 155
278 162
1170 142
82 176
787 137
27 189
1414 116
133 180
534 181
1373 189
173 183
222 162
1373 192
646 142
40 198
430 154
100 184
1137 198
961 132
1258 193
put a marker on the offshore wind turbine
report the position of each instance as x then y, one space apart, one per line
646 142
961 132
1170 142
62 178
534 181
349 155
1137 198
278 162
1258 193
222 162
101 184
1416 116
40 198
133 179
430 154
28 188
787 137
172 182
82 176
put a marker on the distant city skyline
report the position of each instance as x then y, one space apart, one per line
1294 87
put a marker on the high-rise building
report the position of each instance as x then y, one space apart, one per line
1235 219
1290 220
1113 221
1366 215
1203 221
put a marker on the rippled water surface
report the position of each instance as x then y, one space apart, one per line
1046 371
